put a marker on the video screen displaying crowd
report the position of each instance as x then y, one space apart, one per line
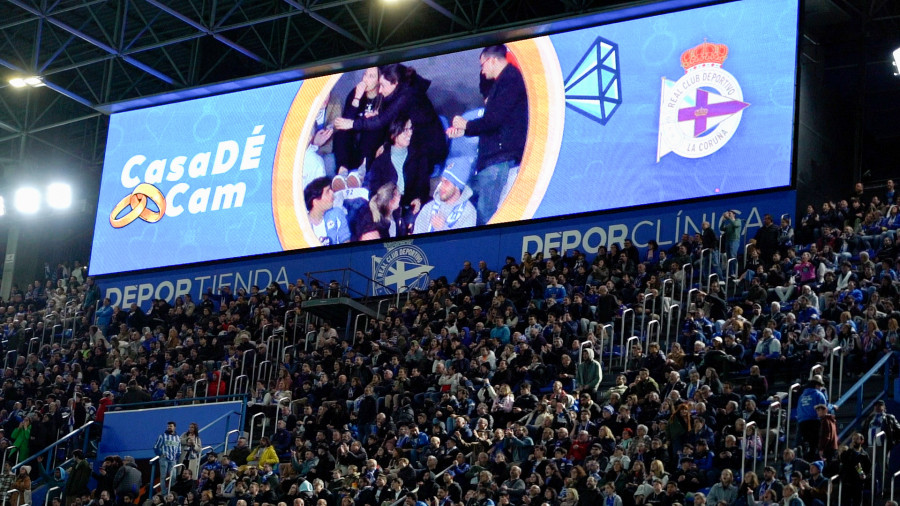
383 163
478 391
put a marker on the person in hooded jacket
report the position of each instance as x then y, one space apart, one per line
55 482
589 374
404 94
451 208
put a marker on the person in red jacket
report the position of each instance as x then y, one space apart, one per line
216 385
102 407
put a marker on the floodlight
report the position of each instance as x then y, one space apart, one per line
34 81
897 62
27 200
59 195
17 82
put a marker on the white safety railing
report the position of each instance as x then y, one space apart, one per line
787 425
831 372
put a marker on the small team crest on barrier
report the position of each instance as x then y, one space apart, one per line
403 267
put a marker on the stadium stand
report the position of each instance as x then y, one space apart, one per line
704 374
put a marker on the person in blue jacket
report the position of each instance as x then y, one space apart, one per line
329 223
807 419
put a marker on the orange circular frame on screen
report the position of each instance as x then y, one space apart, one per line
537 60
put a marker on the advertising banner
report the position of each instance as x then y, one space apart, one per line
414 262
682 105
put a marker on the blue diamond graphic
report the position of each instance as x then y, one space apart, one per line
594 88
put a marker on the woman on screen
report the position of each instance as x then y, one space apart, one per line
404 165
378 220
404 94
352 148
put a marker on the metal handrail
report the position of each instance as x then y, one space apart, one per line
306 339
264 366
669 323
835 351
622 325
787 425
859 387
627 350
612 348
728 273
755 449
684 281
768 428
378 311
894 483
8 492
879 435
244 363
252 423
831 481
284 352
197 383
668 281
650 329
746 248
174 472
236 381
709 262
644 321
32 341
227 436
176 402
153 473
278 412
356 327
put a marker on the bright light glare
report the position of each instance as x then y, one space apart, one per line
59 196
2 207
897 61
27 200
17 82
34 81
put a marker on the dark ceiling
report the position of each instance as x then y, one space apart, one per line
92 53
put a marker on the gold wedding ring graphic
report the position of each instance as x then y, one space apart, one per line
138 202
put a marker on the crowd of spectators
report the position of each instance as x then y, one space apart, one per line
488 388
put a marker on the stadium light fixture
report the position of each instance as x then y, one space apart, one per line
59 196
21 82
897 62
27 200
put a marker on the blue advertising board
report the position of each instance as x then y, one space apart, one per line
686 104
415 261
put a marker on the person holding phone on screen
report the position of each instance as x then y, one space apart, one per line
501 132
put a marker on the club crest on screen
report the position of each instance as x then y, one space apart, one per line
701 111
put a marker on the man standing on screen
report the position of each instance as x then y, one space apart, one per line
501 132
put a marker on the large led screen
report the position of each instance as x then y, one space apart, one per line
683 105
